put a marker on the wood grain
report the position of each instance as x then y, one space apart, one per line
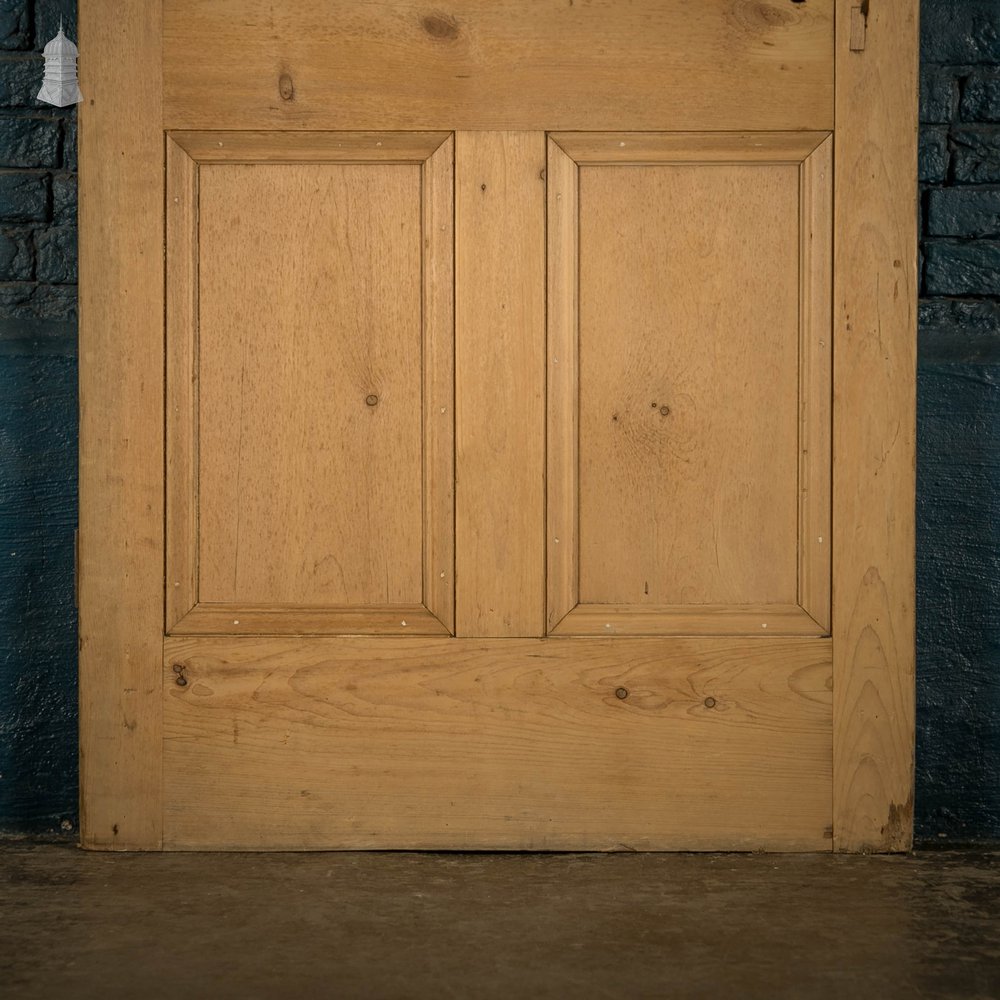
562 226
875 289
500 365
309 147
309 475
438 207
499 64
594 148
243 619
688 370
515 744
749 620
181 485
816 381
121 421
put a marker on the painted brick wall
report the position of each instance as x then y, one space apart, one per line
958 440
958 508
38 422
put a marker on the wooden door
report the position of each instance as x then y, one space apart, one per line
497 425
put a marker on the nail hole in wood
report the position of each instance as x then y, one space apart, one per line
371 399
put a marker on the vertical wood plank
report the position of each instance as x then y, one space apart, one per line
500 383
874 429
562 540
181 378
439 383
121 425
815 397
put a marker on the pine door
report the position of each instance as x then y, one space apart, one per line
497 425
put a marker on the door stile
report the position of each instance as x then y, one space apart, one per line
121 426
874 430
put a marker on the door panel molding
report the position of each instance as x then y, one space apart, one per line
186 611
568 153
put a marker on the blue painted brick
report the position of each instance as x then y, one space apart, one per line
964 211
15 24
938 94
957 267
933 154
64 199
47 16
20 78
17 256
960 32
28 142
977 154
24 197
966 330
69 144
981 97
57 255
33 303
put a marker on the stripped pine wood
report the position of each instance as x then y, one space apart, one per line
503 64
688 619
243 619
318 504
439 382
121 416
309 147
511 744
500 395
875 288
646 313
181 385
596 148
815 381
563 567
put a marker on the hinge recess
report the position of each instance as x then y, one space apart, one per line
859 26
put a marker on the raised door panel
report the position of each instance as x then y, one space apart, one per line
309 334
689 384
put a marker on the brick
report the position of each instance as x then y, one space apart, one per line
20 78
959 330
57 255
28 142
24 197
38 302
933 155
17 256
958 32
938 94
69 143
15 25
64 199
981 97
976 154
962 268
964 211
47 15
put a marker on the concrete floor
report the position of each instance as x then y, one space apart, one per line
78 925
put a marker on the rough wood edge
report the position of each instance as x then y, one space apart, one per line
181 384
309 147
261 619
562 535
599 148
875 289
121 426
688 620
815 381
438 210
